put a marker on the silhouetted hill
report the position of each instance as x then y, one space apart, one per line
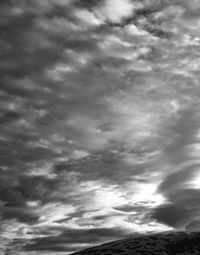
167 243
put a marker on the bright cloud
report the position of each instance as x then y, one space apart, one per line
114 10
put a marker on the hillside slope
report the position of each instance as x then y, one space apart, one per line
166 243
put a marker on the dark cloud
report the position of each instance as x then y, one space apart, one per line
88 3
194 225
176 186
171 215
130 208
185 196
89 167
36 188
72 236
12 196
184 207
20 213
177 180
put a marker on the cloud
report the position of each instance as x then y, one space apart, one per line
171 215
99 105
21 214
63 241
129 208
114 10
194 225
87 17
178 186
182 211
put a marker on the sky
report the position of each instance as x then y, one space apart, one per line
99 135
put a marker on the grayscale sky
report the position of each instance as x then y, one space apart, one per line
99 121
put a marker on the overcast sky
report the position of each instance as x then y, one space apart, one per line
99 121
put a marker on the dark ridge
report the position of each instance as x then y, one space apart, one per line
168 243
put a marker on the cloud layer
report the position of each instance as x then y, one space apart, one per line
99 121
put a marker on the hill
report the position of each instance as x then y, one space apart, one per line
167 243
